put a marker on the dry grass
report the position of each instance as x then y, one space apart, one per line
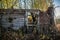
58 26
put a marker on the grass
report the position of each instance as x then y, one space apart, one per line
58 21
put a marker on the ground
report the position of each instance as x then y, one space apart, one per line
58 26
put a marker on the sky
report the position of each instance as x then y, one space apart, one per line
57 10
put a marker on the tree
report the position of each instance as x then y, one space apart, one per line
41 4
25 4
8 3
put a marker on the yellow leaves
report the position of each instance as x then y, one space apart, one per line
30 19
8 3
16 6
41 4
4 3
37 4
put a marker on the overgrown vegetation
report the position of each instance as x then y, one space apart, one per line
10 34
58 21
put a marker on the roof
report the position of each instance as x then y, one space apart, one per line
18 10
